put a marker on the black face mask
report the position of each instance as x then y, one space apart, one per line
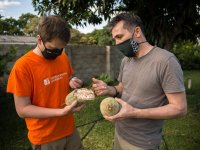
129 47
51 53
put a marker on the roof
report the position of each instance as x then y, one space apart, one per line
6 39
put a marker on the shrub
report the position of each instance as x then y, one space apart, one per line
106 78
188 54
5 58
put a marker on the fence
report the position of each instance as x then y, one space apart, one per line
87 60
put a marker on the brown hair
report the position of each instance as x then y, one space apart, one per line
51 27
130 21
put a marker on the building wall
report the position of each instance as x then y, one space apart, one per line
87 60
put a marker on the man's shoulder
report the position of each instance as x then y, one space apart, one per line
24 59
163 54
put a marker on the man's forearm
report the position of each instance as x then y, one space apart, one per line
112 91
32 111
164 112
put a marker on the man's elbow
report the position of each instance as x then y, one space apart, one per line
182 111
21 114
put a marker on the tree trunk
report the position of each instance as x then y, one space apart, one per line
168 44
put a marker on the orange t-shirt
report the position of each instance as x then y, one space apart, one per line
46 82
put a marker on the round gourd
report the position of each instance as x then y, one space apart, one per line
109 106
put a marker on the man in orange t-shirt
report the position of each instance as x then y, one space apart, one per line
40 81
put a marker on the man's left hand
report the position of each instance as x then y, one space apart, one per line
75 83
126 111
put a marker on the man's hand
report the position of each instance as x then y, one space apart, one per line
126 111
75 83
71 108
26 110
100 87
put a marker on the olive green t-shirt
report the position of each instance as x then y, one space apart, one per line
145 81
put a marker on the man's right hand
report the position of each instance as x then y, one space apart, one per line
100 87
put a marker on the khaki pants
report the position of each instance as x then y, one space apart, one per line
71 142
121 144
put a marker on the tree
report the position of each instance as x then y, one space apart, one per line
165 22
25 19
24 25
31 25
75 36
99 37
102 37
170 21
83 40
10 26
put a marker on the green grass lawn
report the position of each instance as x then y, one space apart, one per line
180 134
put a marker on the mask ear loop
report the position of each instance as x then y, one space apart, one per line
42 43
142 42
133 35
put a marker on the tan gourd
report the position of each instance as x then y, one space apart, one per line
80 95
109 106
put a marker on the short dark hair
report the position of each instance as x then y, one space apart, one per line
51 27
130 21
